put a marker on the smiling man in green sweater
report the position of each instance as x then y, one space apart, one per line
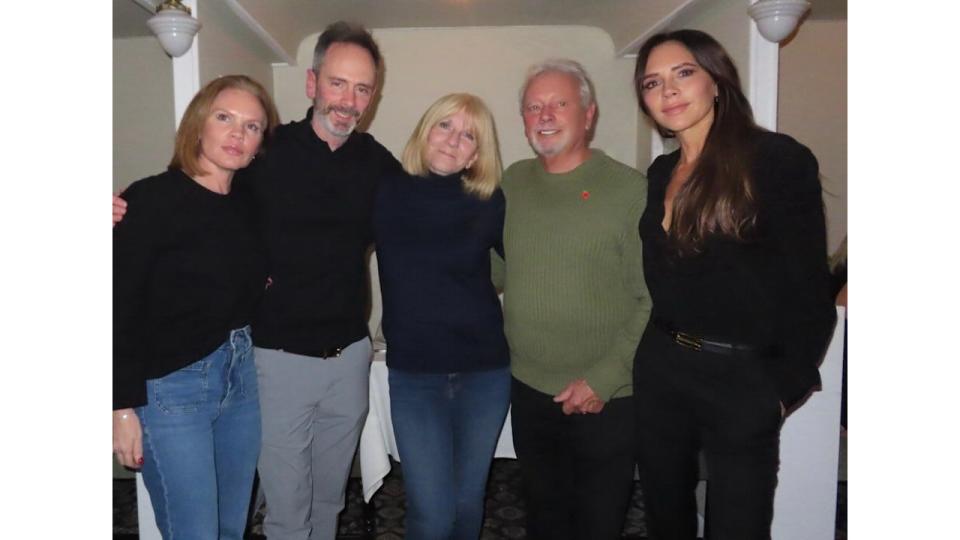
575 306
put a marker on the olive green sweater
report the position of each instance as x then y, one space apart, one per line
575 302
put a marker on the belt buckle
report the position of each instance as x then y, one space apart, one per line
688 341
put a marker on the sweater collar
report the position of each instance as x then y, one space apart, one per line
448 178
595 154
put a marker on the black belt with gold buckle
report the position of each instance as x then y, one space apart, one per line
705 345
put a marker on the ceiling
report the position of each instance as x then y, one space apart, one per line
290 21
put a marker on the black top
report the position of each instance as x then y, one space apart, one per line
314 209
187 269
772 290
440 309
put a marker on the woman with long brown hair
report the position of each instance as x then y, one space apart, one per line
735 258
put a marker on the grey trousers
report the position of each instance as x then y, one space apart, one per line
312 412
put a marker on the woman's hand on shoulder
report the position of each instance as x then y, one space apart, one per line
127 438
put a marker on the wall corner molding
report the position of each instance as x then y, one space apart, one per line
630 50
281 54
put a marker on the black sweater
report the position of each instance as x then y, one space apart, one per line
440 309
187 269
314 209
772 290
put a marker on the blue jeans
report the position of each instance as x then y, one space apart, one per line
201 440
447 426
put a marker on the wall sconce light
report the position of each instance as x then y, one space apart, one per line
777 19
174 27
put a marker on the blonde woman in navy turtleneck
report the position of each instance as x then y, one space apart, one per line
447 355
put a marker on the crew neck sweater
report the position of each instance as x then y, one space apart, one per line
187 269
771 290
441 313
575 302
313 207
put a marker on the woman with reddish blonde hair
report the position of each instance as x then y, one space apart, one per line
188 272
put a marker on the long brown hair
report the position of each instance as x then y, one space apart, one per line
718 196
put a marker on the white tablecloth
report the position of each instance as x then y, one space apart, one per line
377 441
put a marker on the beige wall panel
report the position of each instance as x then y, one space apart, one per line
143 119
644 140
813 109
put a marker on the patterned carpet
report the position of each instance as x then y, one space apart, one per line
505 509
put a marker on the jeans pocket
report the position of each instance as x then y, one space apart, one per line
184 391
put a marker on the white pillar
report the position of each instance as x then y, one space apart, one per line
763 86
186 72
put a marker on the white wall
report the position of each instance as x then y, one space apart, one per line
143 126
813 109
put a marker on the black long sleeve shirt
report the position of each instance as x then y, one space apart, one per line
313 208
440 308
772 290
187 269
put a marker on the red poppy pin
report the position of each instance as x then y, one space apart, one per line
585 195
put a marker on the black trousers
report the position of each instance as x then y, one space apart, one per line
725 405
577 470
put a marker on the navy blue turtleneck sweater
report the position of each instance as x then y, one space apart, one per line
440 309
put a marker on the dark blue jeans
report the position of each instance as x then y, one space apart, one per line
447 426
201 439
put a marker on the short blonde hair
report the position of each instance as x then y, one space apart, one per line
186 146
483 177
